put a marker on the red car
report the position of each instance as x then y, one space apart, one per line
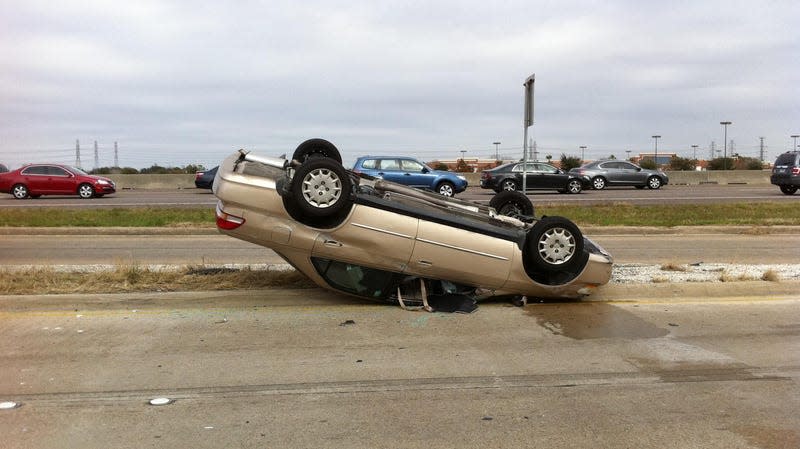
35 180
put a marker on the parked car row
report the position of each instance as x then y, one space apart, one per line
595 175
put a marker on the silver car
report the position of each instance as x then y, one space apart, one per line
384 241
601 174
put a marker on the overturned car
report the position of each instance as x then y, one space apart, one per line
384 241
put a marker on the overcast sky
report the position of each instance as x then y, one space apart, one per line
179 82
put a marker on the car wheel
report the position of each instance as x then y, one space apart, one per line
512 203
654 182
788 190
321 187
554 244
85 191
508 184
599 183
20 191
445 189
574 186
316 148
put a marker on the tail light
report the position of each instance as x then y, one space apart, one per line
486 175
796 170
227 221
198 175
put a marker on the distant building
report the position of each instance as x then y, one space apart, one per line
475 164
661 160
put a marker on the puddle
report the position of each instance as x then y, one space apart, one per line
583 321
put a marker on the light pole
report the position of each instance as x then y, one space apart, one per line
628 152
694 152
725 145
655 157
583 149
794 146
496 150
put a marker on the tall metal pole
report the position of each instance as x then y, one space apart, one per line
116 155
496 150
583 153
96 156
655 157
77 153
528 121
794 146
725 145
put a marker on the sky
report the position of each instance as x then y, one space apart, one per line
189 82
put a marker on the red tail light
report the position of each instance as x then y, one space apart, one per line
486 175
796 170
198 175
227 221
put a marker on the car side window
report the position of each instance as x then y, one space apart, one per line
517 168
390 164
35 170
412 166
370 164
355 279
56 171
626 166
610 165
546 168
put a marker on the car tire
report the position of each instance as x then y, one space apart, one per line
512 203
446 188
321 188
20 191
315 148
788 190
508 185
598 183
574 186
554 244
85 191
654 183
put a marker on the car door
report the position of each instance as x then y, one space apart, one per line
532 176
390 170
551 177
631 174
61 181
415 174
459 255
36 179
372 237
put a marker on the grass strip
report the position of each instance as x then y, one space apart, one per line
135 278
616 214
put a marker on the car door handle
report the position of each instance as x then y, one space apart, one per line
407 174
380 173
425 264
333 243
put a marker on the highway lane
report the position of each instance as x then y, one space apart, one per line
294 369
678 194
212 248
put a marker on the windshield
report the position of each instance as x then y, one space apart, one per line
355 279
78 171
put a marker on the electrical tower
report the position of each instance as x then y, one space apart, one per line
116 155
96 156
77 153
761 149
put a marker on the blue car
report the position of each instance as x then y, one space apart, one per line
411 172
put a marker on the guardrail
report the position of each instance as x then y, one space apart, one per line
675 177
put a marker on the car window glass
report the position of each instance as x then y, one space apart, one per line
35 170
370 164
517 167
610 165
626 166
390 164
544 168
785 159
355 279
412 166
56 171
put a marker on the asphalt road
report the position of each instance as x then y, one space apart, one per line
212 248
298 369
677 194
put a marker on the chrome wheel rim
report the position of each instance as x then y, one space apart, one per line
557 246
509 185
20 192
85 191
599 184
322 188
446 190
655 183
574 186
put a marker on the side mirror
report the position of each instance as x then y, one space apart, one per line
425 170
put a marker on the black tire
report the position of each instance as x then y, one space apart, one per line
574 186
321 188
554 244
512 203
508 185
446 188
598 183
85 191
20 191
314 148
654 183
788 190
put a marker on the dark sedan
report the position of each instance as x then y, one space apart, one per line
539 176
205 179
600 174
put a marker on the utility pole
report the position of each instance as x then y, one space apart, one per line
77 153
694 152
96 156
535 152
583 152
725 144
496 150
713 148
116 155
761 149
